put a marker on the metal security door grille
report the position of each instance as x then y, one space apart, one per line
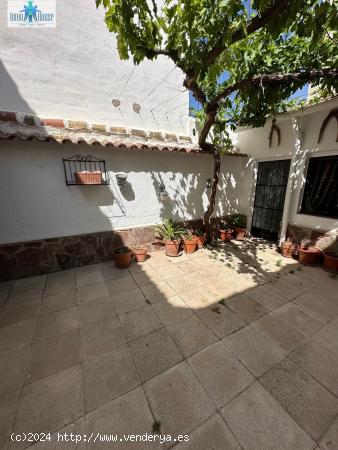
272 179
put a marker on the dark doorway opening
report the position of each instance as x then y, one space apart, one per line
272 180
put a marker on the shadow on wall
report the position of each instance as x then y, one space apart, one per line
10 97
189 199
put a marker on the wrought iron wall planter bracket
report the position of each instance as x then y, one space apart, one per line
85 164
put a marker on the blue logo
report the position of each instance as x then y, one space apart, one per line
31 13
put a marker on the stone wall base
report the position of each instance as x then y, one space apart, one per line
324 240
25 259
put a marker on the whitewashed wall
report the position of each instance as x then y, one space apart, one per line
73 71
255 143
36 203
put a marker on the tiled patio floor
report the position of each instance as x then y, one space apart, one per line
236 347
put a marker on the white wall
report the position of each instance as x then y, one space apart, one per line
36 203
73 71
255 143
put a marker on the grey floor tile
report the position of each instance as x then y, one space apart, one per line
286 287
62 439
102 336
129 300
57 302
259 422
140 322
318 361
92 292
56 324
220 372
128 414
213 434
14 312
321 308
99 309
13 367
88 278
253 348
121 285
268 298
107 376
221 320
330 440
191 335
173 310
8 406
16 336
51 403
299 319
328 336
246 308
154 353
312 406
50 356
280 332
59 282
178 400
157 292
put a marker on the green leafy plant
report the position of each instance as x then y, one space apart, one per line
238 221
169 230
199 232
241 64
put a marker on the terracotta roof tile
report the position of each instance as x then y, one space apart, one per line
27 127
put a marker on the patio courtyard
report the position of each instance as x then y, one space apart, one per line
234 346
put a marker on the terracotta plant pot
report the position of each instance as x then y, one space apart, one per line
172 248
140 254
122 256
331 262
288 249
201 241
240 233
225 235
309 256
85 177
189 245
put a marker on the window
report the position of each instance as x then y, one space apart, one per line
321 187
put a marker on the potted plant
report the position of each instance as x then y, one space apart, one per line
225 232
139 250
122 256
171 235
309 255
140 253
331 261
201 238
87 177
288 248
189 243
239 227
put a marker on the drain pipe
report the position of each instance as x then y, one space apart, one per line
294 167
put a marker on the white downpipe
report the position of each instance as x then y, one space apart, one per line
294 166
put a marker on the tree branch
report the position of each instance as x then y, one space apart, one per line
253 25
277 78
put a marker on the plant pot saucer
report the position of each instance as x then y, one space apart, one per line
175 256
310 265
328 270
